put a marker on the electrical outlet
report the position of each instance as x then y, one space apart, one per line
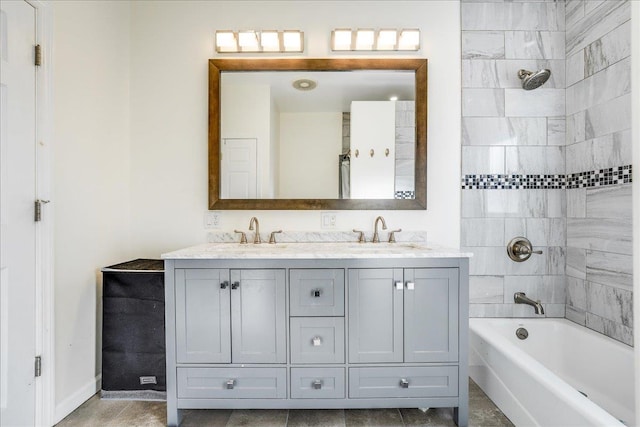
212 219
328 220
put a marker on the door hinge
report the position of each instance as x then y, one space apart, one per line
37 215
38 366
38 55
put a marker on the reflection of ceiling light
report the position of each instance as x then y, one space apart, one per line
393 98
259 41
368 39
305 84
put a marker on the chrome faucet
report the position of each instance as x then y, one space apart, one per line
521 298
376 238
256 239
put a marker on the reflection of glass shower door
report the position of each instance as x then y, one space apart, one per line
239 168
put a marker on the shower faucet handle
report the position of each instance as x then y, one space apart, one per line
520 249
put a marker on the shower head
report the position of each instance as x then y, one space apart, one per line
533 80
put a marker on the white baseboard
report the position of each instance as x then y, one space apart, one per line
81 395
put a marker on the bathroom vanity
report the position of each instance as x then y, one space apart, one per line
316 325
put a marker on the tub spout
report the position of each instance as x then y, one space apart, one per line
521 298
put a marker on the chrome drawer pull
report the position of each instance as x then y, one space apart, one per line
317 341
410 286
317 385
316 293
399 286
231 384
404 383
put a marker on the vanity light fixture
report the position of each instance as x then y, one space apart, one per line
256 41
344 39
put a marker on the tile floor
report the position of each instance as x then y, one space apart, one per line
116 413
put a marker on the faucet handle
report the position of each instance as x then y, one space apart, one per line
243 236
392 236
361 238
272 237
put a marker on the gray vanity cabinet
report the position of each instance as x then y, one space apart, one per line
258 316
203 322
403 315
221 312
316 333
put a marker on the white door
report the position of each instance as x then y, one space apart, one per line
373 127
239 168
17 226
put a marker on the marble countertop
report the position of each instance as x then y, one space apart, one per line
315 250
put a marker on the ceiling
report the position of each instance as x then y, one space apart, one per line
335 89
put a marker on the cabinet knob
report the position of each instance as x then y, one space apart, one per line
411 286
316 293
224 285
317 341
231 384
317 385
235 285
404 383
399 286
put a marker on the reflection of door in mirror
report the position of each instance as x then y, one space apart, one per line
373 136
239 168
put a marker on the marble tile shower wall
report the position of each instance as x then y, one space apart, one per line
552 164
513 154
599 261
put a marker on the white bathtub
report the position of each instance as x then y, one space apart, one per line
535 381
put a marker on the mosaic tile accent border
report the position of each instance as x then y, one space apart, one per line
599 178
405 195
603 177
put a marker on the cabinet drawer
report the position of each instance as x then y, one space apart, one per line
315 383
317 340
431 381
316 292
232 383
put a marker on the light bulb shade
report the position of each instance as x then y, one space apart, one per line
270 41
293 40
248 41
387 39
226 41
409 40
341 39
365 39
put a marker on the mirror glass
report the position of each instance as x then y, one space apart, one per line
345 137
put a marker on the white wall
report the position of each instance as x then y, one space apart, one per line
309 147
91 181
247 114
170 44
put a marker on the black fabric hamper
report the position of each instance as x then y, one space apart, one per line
133 340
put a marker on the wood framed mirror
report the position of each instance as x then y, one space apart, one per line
232 123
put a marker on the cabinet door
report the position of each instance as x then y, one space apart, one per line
202 316
431 315
375 315
258 316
